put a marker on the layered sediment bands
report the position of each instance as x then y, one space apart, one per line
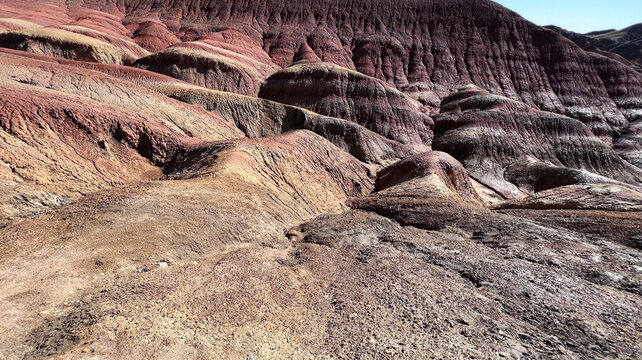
259 118
438 44
67 131
130 49
510 147
629 144
305 54
104 27
432 168
254 117
76 147
64 44
609 197
153 35
41 13
443 44
624 45
430 190
144 78
299 168
184 119
226 61
360 142
69 32
142 216
334 91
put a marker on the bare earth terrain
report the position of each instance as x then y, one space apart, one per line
264 179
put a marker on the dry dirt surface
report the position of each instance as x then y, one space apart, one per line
264 179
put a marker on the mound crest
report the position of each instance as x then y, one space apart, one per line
514 149
225 61
334 91
65 44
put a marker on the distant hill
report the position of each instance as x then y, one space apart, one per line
627 43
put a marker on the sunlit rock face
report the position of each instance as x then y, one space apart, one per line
516 149
339 92
268 179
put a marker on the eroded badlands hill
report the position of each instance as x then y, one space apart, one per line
321 179
625 44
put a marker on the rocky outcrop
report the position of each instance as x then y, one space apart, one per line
610 197
277 165
65 44
67 132
225 61
259 118
624 45
430 169
513 148
338 92
153 35
484 263
19 200
430 190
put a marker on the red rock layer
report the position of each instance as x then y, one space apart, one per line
504 143
339 92
153 35
262 118
434 45
423 47
226 61
70 32
440 168
75 131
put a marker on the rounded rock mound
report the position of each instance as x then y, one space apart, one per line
225 61
346 94
516 149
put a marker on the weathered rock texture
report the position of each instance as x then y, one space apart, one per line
428 45
624 45
435 170
512 148
259 118
339 92
144 216
73 131
582 196
442 44
65 44
153 35
226 61
80 34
